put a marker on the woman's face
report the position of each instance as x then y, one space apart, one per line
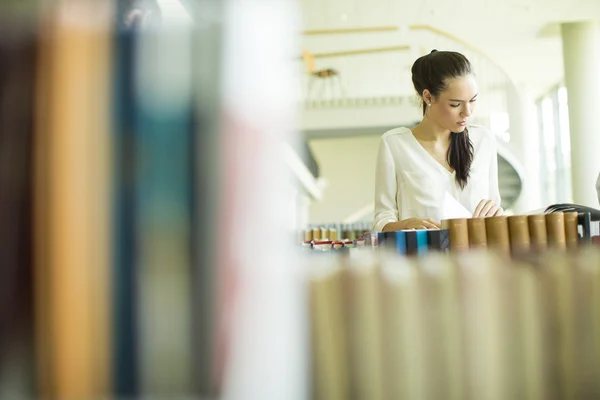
453 107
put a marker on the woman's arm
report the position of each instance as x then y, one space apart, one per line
386 187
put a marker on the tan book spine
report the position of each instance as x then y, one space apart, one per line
518 228
403 363
587 319
555 225
363 315
528 367
308 236
440 330
477 233
571 234
77 216
485 325
329 347
498 236
333 234
458 232
316 234
537 232
558 273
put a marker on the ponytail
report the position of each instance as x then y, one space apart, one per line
460 156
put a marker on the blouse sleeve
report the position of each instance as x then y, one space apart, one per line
494 190
386 185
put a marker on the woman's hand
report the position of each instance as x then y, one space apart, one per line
487 208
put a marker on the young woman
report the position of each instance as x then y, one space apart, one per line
442 160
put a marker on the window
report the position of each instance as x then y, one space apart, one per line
555 143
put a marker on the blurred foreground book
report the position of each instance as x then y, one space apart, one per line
461 326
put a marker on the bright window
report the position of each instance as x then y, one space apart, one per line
555 142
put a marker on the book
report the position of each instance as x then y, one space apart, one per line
163 210
528 362
458 233
586 298
124 331
440 332
330 363
518 227
537 232
482 283
74 99
571 234
387 240
477 233
438 240
19 279
422 241
403 373
556 276
362 313
555 225
400 242
498 237
411 242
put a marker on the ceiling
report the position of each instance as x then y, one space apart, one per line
523 37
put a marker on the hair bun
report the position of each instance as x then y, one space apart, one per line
433 51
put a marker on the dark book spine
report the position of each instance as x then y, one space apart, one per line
18 55
438 240
389 240
412 248
124 372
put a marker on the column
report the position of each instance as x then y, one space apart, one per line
524 137
581 54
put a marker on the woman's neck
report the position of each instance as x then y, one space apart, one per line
429 131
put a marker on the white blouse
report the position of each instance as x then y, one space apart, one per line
410 183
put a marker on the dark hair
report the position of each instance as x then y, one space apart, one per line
432 72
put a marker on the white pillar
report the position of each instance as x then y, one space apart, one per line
581 54
524 137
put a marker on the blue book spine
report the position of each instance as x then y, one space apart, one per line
422 242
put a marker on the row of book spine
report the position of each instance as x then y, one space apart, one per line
515 234
137 156
103 149
468 325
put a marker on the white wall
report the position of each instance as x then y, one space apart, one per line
348 164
